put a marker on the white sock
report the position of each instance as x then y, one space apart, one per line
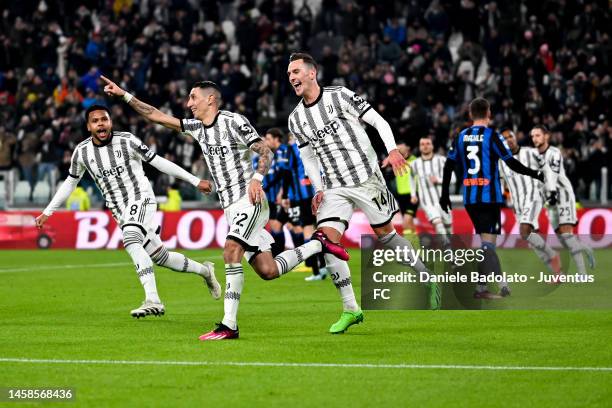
341 276
570 241
234 281
441 231
180 263
543 251
393 241
144 269
288 260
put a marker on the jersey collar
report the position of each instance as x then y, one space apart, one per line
106 143
213 122
309 105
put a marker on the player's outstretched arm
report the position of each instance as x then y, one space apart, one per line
151 113
395 158
172 169
518 167
58 199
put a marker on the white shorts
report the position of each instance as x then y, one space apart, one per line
139 213
435 211
371 197
530 213
564 212
246 221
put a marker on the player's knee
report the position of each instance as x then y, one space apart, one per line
132 235
525 230
232 251
160 256
267 272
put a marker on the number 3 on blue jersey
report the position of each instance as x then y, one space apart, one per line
473 156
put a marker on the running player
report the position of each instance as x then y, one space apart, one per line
427 177
560 197
527 196
226 140
326 124
114 160
477 149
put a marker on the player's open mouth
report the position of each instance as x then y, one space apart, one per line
297 86
102 133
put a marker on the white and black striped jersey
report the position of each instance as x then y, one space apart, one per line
116 167
421 172
331 126
523 189
551 163
225 145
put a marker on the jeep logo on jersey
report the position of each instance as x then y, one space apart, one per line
329 129
212 150
115 171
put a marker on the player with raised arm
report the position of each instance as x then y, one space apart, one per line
560 198
426 173
114 160
326 124
477 149
527 195
226 140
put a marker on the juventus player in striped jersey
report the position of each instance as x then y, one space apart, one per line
527 200
326 125
227 139
114 160
426 173
560 197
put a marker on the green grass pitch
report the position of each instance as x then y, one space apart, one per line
74 305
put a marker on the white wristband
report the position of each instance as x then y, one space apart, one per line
127 97
258 176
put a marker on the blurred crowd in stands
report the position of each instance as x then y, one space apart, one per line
417 61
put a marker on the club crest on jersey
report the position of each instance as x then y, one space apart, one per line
330 109
330 128
118 153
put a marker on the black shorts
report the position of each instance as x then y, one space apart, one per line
485 217
277 212
300 213
406 207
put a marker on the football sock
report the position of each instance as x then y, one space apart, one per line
341 276
393 241
490 262
298 238
291 258
441 231
570 241
177 262
543 251
144 269
234 281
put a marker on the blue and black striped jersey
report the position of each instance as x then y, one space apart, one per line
478 149
299 186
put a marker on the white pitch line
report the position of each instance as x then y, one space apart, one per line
307 365
38 268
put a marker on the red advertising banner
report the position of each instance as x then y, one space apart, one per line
208 228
